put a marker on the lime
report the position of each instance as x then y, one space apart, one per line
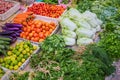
8 61
16 67
7 66
23 60
25 46
15 62
9 53
25 56
27 49
24 52
3 64
18 58
31 51
14 56
19 64
11 64
20 49
28 54
12 59
18 53
21 56
34 47
1 60
10 67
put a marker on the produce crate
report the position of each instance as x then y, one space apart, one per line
46 20
46 17
11 11
27 61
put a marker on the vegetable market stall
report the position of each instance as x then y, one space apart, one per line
73 50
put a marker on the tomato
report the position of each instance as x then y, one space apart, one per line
46 28
40 40
41 35
35 35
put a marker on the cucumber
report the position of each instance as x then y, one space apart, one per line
4 42
5 39
2 47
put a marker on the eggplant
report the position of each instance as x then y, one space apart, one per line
13 25
11 29
6 32
17 34
19 31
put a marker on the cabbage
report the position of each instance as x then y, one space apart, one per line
89 14
98 28
83 23
69 33
94 30
74 13
82 32
92 19
66 23
84 41
69 41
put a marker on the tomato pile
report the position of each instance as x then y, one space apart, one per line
37 30
44 9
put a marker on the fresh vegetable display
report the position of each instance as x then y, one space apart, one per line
5 6
1 73
49 10
80 26
17 55
4 45
23 17
37 30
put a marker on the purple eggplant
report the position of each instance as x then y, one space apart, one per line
13 25
6 32
11 29
19 31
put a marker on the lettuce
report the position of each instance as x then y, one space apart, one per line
82 32
84 41
69 41
68 33
83 23
74 13
66 23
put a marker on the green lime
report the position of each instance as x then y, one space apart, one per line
3 64
9 53
15 62
12 59
23 60
19 64
34 47
21 55
18 58
24 51
25 56
27 49
25 46
11 67
16 67
7 66
18 53
20 49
